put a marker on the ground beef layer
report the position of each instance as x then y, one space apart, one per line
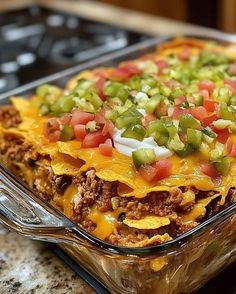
35 170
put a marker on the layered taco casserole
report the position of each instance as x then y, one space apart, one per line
138 154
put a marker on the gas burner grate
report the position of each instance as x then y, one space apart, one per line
36 42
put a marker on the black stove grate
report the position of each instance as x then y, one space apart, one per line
37 42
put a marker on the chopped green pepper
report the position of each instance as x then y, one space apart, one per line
130 117
135 132
153 103
63 105
225 112
46 89
209 133
143 156
194 138
188 121
223 165
116 90
67 133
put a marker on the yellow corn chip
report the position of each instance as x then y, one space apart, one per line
155 239
147 223
158 263
63 164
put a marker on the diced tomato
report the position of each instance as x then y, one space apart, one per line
100 116
179 100
199 112
233 151
231 84
92 140
161 64
100 85
125 72
101 72
205 94
163 169
185 54
80 132
65 119
178 112
207 85
51 130
209 119
106 148
162 109
147 119
157 171
171 83
209 170
183 138
229 145
191 99
108 128
232 69
81 117
148 172
222 135
210 105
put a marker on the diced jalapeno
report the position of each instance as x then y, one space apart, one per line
84 105
198 99
83 86
225 112
209 132
187 150
67 133
153 103
44 108
94 99
232 128
188 121
233 100
223 165
135 132
47 89
194 138
116 90
218 152
176 92
63 104
222 95
164 90
135 83
130 117
143 156
174 143
156 126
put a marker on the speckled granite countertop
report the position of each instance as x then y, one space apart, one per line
29 267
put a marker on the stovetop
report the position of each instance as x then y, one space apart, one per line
36 42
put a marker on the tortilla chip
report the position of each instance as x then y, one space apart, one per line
63 164
158 263
155 239
148 222
198 210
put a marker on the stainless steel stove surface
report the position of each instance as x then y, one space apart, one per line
36 42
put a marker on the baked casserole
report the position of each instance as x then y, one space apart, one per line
138 154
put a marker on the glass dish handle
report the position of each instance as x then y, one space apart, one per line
23 212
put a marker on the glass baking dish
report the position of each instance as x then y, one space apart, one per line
178 266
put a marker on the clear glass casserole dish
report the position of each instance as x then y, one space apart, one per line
178 266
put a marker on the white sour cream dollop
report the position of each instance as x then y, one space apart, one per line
127 145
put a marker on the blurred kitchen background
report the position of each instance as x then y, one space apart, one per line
218 14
